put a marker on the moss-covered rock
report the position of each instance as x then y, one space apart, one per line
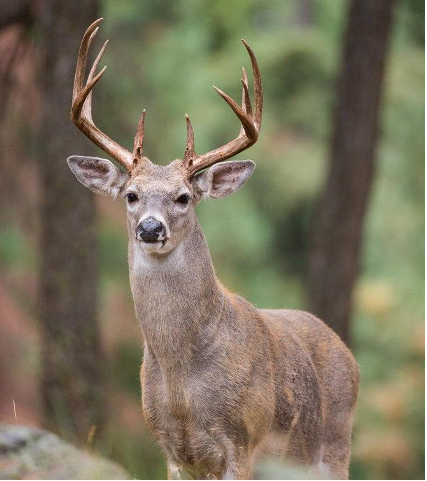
30 453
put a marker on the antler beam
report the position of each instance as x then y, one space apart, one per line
81 115
81 108
250 121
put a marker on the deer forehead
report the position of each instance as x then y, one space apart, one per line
160 179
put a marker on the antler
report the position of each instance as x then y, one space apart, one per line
81 108
251 124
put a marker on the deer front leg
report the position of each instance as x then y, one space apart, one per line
240 470
174 471
238 464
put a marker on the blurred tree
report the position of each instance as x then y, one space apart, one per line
414 11
72 360
16 11
16 20
304 10
337 235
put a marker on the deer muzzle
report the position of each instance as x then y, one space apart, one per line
151 230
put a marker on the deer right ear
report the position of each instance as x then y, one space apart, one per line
99 175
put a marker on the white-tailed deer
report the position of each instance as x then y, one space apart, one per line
223 383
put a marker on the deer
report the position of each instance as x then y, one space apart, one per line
224 384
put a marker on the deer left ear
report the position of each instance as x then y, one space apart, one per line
223 179
99 175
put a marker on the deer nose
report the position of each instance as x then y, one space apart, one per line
150 230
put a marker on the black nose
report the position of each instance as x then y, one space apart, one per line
150 229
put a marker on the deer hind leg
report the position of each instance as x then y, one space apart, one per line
336 457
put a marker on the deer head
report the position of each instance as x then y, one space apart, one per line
161 199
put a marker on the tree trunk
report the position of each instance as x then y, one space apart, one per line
304 13
337 232
72 361
16 19
16 11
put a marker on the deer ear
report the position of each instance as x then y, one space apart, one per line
99 175
224 178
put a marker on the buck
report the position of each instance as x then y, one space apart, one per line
223 383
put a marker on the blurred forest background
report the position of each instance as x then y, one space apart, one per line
70 346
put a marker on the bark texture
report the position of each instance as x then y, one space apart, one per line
72 360
337 235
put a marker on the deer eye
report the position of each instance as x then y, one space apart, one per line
131 197
183 199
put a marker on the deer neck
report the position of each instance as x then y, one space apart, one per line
178 299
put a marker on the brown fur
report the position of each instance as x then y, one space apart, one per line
222 379
224 383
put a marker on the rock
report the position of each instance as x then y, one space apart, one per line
30 453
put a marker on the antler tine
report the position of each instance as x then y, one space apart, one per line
247 122
87 106
257 85
82 57
189 153
81 107
246 99
250 124
138 142
77 107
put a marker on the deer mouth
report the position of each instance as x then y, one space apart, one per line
153 245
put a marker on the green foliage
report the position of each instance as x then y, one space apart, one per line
15 251
411 25
126 361
112 252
